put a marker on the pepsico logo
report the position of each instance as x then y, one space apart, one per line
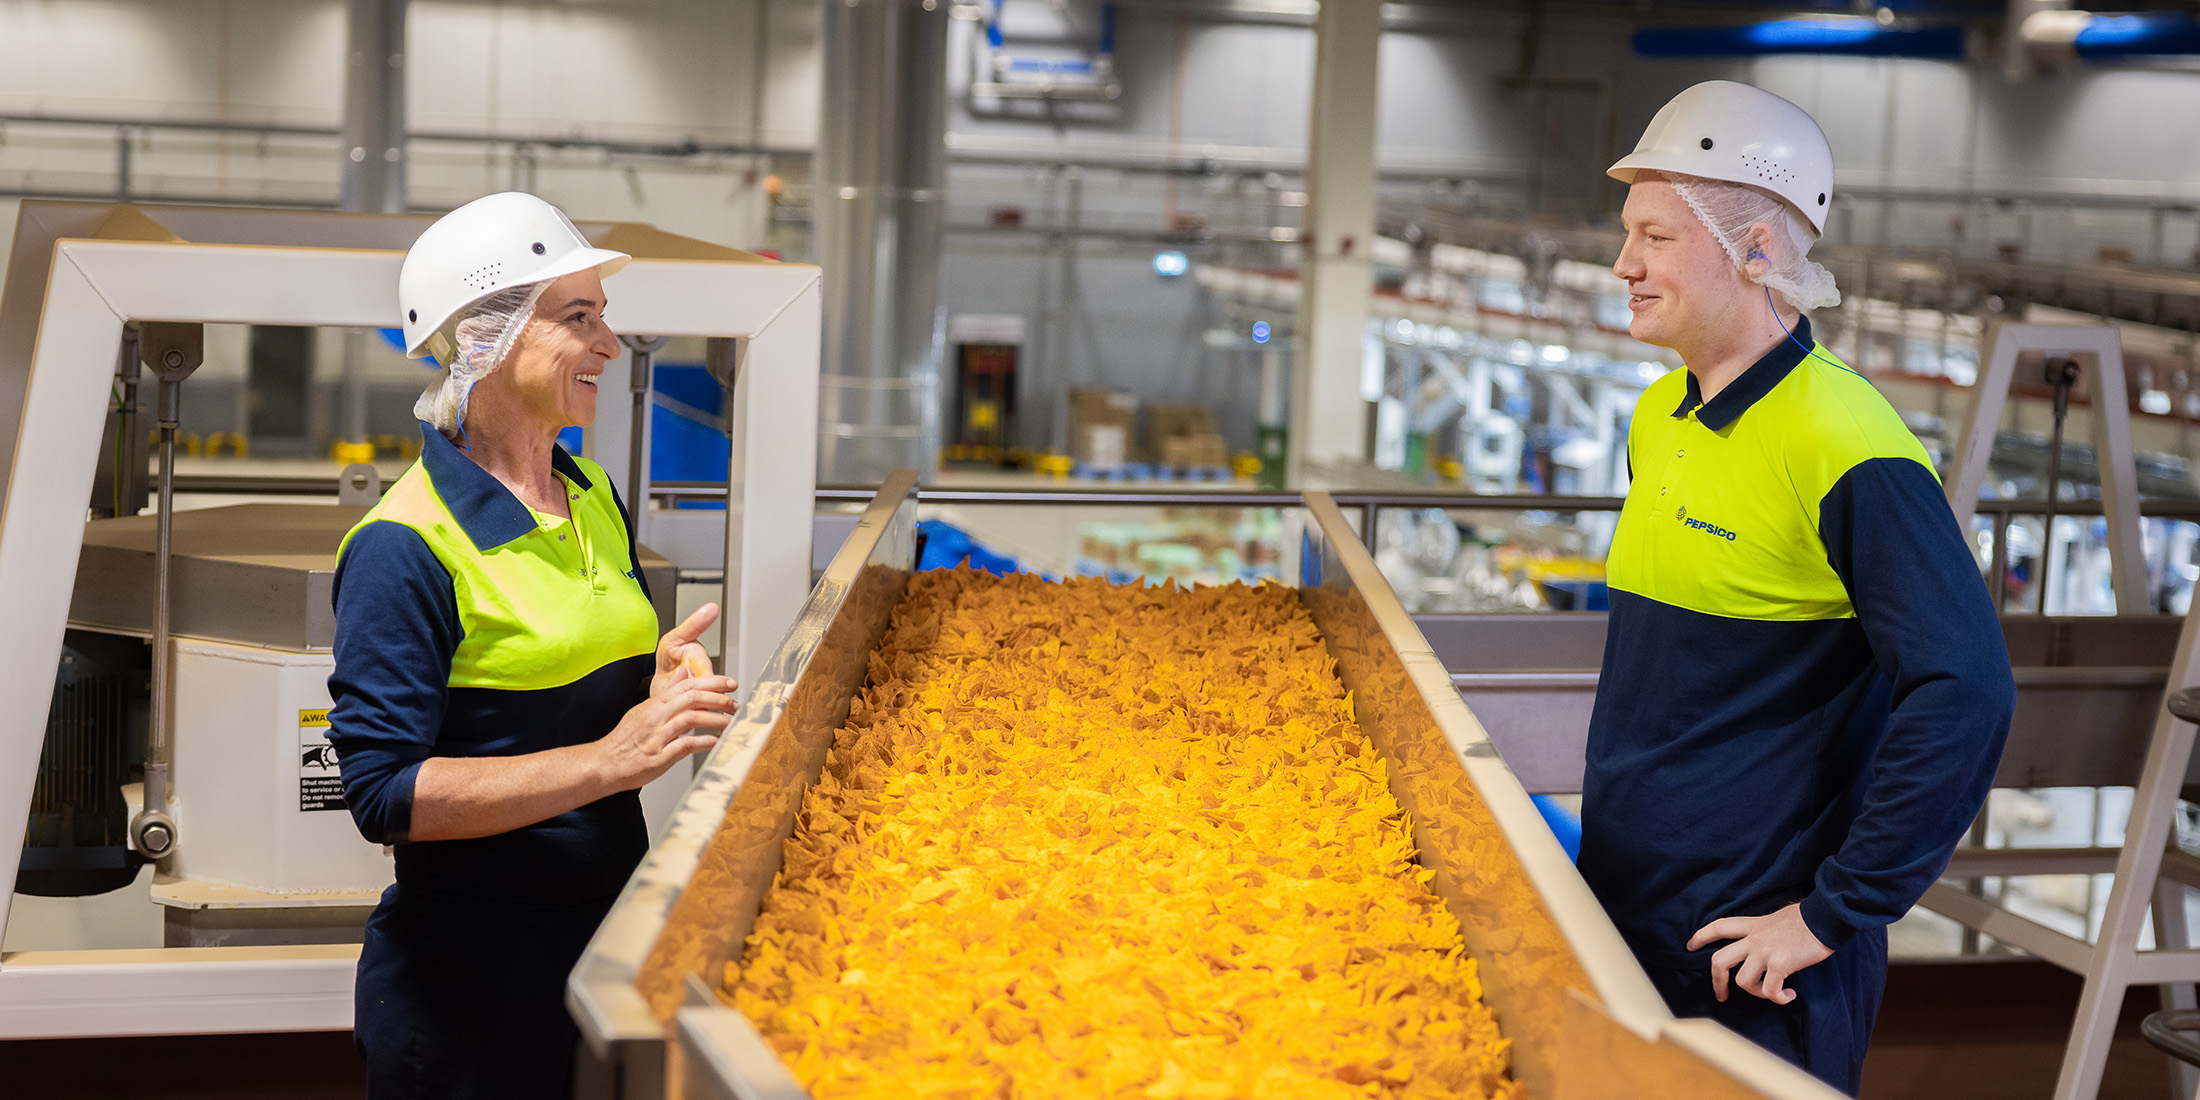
1700 525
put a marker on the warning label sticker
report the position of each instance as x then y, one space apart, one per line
319 786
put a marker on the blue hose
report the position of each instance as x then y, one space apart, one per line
1564 823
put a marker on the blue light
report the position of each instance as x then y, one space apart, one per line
1260 332
1169 265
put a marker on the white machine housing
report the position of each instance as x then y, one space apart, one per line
244 780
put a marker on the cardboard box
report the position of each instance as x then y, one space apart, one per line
1174 421
1103 445
1186 436
1100 426
1194 451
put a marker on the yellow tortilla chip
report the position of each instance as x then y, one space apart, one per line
1079 840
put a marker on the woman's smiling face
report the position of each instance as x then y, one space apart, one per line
550 376
1682 287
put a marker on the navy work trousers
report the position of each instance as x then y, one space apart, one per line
1825 1029
464 999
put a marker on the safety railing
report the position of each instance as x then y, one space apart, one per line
1999 513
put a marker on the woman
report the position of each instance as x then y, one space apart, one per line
500 692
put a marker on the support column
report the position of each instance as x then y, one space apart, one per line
373 149
1328 415
371 156
879 202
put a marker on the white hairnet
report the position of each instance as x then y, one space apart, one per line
1730 210
485 335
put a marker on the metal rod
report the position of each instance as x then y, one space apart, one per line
2062 373
122 164
2002 511
1999 562
157 749
639 384
128 486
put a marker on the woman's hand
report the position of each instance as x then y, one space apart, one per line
680 655
687 706
456 797
681 720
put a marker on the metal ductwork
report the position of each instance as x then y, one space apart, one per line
880 214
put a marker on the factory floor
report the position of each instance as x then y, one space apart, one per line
1949 1031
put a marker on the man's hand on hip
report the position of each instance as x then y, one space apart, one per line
1769 950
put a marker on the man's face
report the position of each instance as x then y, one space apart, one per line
1683 290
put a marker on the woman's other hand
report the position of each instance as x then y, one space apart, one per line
684 719
680 655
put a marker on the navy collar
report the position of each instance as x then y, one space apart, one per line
487 511
1754 383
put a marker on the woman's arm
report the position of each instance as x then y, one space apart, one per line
397 627
459 797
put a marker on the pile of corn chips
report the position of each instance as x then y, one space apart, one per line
1079 840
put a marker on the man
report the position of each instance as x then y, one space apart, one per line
1805 690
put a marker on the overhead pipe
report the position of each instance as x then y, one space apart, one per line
1849 35
2060 36
2048 35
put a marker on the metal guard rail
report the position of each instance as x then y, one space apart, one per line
2162 1030
1367 503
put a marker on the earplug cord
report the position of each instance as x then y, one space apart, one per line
1808 353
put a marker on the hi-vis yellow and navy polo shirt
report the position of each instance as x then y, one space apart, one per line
1805 689
469 625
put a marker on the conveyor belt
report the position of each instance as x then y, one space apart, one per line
1568 993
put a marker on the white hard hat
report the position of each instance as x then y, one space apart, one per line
1721 130
490 244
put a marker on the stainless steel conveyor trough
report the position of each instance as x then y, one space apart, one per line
1582 1016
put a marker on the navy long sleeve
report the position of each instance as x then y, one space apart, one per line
396 630
1933 633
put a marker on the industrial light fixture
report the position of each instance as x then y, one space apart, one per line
1169 265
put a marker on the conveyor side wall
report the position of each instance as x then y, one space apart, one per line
1528 962
688 907
711 919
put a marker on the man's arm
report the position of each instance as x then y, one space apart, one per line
1936 638
1889 534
